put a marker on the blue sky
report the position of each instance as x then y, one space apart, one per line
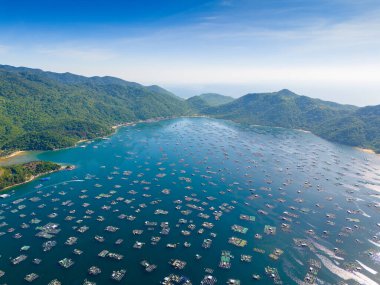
325 49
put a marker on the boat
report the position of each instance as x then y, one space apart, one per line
207 243
233 282
256 276
66 262
118 275
99 238
148 267
31 277
177 263
273 274
225 259
93 270
25 248
176 279
45 179
19 259
49 245
71 240
208 280
119 241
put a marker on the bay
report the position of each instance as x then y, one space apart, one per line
320 194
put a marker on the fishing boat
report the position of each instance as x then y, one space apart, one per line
31 277
93 270
148 267
118 275
225 259
208 280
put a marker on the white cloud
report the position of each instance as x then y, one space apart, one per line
316 54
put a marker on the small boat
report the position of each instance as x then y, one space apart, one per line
256 276
45 179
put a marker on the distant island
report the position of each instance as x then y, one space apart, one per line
22 173
45 110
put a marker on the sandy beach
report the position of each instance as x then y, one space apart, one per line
13 154
366 150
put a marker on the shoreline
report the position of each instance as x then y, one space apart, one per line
114 128
33 177
367 150
158 119
154 120
13 154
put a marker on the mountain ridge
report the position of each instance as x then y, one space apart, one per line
46 110
346 124
41 110
205 100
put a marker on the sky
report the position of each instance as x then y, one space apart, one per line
328 49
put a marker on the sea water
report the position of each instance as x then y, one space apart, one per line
326 194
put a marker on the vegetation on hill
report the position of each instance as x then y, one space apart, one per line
203 101
20 173
46 110
361 128
214 99
197 104
345 124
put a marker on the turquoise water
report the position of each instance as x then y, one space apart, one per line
222 167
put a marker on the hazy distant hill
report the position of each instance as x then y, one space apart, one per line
340 123
200 102
197 104
214 99
45 110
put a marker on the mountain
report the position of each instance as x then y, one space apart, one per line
345 124
200 102
47 110
197 104
42 110
361 128
214 99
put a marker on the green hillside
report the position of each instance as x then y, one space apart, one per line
20 173
203 101
46 110
214 99
345 124
197 104
362 128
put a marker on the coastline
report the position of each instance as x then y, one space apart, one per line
153 120
366 150
33 177
13 154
